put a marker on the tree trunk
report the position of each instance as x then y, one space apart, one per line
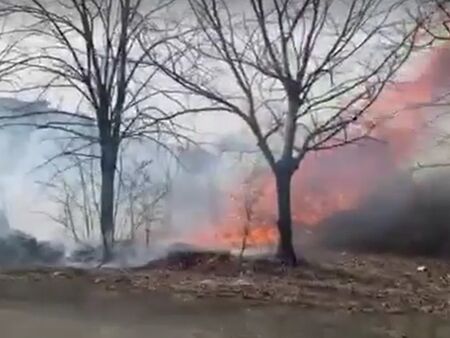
286 250
108 171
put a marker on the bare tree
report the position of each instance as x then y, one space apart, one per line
300 70
142 197
88 49
251 195
73 187
74 192
66 218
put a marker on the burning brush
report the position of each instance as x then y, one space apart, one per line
340 180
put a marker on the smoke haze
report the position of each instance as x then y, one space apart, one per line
355 194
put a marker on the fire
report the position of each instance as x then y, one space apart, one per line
338 179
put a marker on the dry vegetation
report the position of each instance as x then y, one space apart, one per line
344 282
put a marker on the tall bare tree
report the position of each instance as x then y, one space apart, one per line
300 70
88 49
74 187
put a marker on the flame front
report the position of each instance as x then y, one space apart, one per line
338 179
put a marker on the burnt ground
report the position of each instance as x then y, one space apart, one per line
332 281
392 255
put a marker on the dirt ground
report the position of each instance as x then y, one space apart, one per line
332 281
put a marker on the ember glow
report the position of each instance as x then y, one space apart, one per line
338 179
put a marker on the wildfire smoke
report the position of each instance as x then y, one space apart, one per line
338 179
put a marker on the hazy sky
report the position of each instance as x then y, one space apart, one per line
222 124
210 123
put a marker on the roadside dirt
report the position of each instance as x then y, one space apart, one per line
332 281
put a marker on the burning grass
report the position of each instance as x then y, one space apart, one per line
404 216
336 181
350 277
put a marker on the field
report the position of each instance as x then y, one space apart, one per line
331 281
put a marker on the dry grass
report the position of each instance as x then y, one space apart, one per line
335 281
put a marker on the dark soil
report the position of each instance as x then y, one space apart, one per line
332 281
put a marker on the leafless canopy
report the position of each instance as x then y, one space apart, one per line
88 52
302 69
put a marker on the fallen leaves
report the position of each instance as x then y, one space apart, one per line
354 283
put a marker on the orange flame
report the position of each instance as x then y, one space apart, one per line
338 179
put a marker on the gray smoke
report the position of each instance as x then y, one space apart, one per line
406 216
